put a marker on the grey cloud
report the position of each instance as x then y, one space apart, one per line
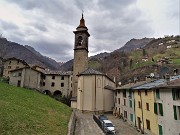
58 50
111 24
40 26
8 25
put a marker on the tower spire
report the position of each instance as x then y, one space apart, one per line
82 22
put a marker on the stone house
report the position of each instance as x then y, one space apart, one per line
11 64
57 83
25 77
95 92
49 82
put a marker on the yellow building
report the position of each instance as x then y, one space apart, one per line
146 119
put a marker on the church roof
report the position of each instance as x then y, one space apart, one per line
91 71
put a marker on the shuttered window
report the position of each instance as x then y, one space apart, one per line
161 109
175 112
130 103
173 94
158 109
160 130
131 117
155 108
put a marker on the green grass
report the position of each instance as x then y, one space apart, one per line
142 64
176 61
27 112
171 53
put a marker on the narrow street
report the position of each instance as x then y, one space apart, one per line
122 128
85 125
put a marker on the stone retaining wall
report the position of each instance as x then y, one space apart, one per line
72 123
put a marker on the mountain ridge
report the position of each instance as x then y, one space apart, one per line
10 49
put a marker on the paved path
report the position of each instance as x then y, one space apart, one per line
122 128
85 125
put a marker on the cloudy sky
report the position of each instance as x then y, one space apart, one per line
48 25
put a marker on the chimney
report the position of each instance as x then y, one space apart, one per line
167 78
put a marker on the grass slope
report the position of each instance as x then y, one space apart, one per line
26 112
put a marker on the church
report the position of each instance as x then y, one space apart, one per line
92 91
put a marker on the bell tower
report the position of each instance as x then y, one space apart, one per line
80 53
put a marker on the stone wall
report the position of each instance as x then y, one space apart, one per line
72 123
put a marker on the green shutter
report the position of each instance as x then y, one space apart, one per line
160 130
155 108
175 113
131 117
161 109
173 94
130 103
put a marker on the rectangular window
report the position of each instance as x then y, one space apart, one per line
139 104
160 130
119 100
125 114
176 112
71 84
148 124
17 67
116 93
176 94
18 62
147 106
9 67
131 117
62 84
19 74
62 77
146 93
53 77
124 102
9 62
157 94
130 103
124 93
52 84
158 109
115 100
44 84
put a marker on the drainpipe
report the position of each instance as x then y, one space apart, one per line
142 112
